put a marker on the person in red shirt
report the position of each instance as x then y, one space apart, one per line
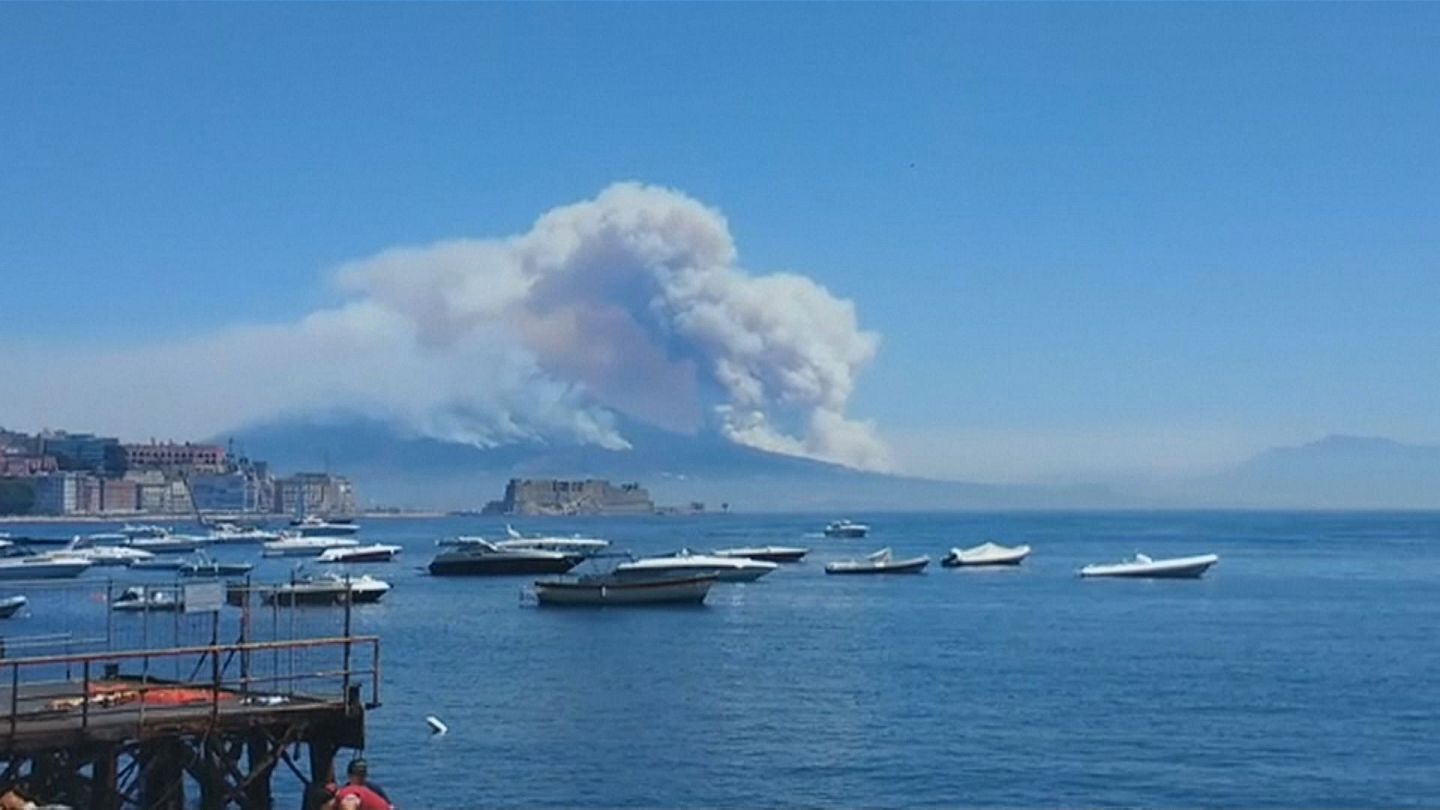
364 794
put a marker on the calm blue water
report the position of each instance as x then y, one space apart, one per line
1304 671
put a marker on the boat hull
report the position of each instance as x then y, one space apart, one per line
1184 568
212 571
775 555
377 554
1007 557
9 607
45 570
622 591
847 533
321 597
914 566
487 566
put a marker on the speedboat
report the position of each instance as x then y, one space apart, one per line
134 532
611 589
373 553
475 557
107 555
575 546
684 561
775 554
985 554
315 526
138 599
50 565
294 545
881 562
235 534
11 605
166 543
1143 567
845 528
203 565
158 564
326 589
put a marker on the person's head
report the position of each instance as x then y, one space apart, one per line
358 771
351 802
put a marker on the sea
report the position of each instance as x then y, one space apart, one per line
1302 672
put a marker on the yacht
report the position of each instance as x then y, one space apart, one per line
326 589
166 543
1143 567
845 528
373 553
475 557
234 534
775 554
725 569
294 545
203 565
315 526
11 605
575 545
107 555
985 554
881 562
50 565
132 531
139 599
610 589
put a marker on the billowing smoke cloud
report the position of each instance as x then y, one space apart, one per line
630 302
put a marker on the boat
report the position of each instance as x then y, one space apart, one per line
50 565
985 554
135 532
373 553
11 605
775 554
881 562
138 599
476 557
610 589
326 589
845 528
158 564
574 545
315 526
294 545
166 543
107 555
227 533
684 561
203 565
1143 567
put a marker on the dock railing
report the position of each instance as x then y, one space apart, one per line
117 690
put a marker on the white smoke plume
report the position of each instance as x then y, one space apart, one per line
632 301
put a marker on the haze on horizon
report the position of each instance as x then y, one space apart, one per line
1024 243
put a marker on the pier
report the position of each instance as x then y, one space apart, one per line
213 725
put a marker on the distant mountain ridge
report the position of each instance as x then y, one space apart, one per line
394 469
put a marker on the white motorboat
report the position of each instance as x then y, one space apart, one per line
109 555
846 528
50 565
227 533
203 565
985 554
294 545
373 553
574 545
316 526
471 556
166 543
326 589
139 599
725 569
1143 567
134 532
775 554
881 562
610 589
11 605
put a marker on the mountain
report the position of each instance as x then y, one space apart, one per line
392 468
1336 472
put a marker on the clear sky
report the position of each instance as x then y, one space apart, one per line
1090 237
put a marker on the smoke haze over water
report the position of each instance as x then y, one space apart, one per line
631 302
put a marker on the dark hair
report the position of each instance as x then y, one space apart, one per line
357 765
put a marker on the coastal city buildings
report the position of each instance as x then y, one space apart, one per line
60 473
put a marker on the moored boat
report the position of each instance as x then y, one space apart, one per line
158 564
167 542
227 533
609 589
476 557
203 565
293 545
775 554
315 526
725 569
373 553
139 599
326 589
575 546
50 565
881 562
985 554
11 605
846 528
1143 567
107 555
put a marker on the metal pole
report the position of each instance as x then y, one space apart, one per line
349 603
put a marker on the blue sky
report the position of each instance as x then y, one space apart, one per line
1115 238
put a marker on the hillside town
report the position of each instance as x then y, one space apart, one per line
57 473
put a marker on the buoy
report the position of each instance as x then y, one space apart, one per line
436 727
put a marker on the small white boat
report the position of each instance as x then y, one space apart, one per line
609 589
227 533
1143 567
845 528
326 589
881 562
294 545
107 555
203 565
138 599
472 556
725 569
775 554
51 565
11 605
575 546
167 543
985 554
315 526
373 553
133 532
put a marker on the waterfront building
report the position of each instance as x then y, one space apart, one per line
57 493
21 465
83 452
231 492
188 457
315 493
